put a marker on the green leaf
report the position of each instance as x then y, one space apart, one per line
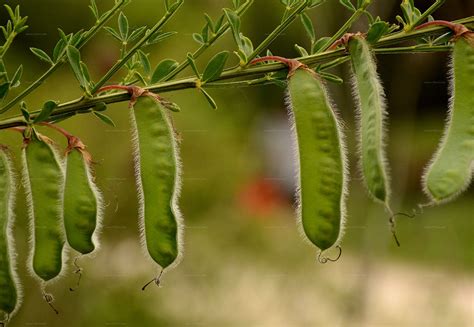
331 77
301 51
123 26
4 88
162 70
101 106
234 22
24 111
319 44
348 4
145 62
104 118
377 30
48 108
192 63
215 66
58 50
159 37
308 25
74 57
42 55
210 23
198 38
136 33
95 11
15 81
209 99
113 33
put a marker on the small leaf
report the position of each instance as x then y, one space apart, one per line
215 66
308 25
192 63
198 38
101 106
58 50
123 26
165 67
319 44
209 99
136 33
377 30
113 33
234 22
4 88
348 4
301 51
15 82
48 108
74 57
24 111
210 23
159 37
42 55
104 118
331 77
93 8
145 62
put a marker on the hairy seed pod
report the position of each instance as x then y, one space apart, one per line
9 296
157 176
321 155
43 180
371 110
451 168
82 201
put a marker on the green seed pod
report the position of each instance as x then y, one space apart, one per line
369 93
322 160
158 180
43 180
451 169
82 201
9 285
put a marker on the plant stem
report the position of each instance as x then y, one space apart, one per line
277 31
119 64
344 28
429 11
224 28
260 71
90 34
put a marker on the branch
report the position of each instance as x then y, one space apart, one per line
261 72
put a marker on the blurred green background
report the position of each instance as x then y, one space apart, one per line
245 263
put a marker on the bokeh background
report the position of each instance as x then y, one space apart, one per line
245 263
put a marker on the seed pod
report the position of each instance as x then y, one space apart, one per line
82 201
157 176
321 156
369 93
451 169
43 180
9 285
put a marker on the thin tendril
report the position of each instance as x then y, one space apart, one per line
156 280
49 299
326 259
78 271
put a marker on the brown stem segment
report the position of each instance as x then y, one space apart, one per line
459 30
344 40
292 64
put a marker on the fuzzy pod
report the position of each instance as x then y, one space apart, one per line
368 91
322 175
82 201
450 170
9 284
157 170
43 180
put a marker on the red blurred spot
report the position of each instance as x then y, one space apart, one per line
261 197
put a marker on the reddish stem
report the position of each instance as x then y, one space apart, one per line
292 64
458 29
17 129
